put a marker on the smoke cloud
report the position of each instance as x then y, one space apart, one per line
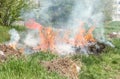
15 37
65 14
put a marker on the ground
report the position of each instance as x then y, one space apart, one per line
103 66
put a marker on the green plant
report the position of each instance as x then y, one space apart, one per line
10 11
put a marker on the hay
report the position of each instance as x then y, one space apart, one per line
64 66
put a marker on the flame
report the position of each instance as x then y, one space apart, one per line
47 39
31 24
79 38
66 37
48 36
82 38
13 45
89 36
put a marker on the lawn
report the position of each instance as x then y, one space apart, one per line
103 66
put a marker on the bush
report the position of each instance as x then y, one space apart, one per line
10 11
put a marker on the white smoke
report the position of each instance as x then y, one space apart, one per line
87 11
14 36
65 49
32 38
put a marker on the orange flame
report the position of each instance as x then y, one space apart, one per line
48 36
66 37
79 38
89 36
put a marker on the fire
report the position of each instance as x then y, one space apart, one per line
31 24
13 45
79 38
48 36
66 37
89 36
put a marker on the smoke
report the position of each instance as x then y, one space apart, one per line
24 40
89 12
65 14
15 37
50 12
31 38
65 49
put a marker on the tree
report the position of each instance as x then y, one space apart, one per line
10 11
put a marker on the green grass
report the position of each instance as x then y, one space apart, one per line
103 66
27 68
4 36
112 26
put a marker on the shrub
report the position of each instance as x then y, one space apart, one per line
10 11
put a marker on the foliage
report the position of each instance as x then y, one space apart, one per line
10 11
4 36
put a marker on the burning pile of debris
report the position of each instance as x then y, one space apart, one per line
94 48
58 41
7 50
52 40
63 66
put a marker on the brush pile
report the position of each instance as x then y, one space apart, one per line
97 47
63 66
6 51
